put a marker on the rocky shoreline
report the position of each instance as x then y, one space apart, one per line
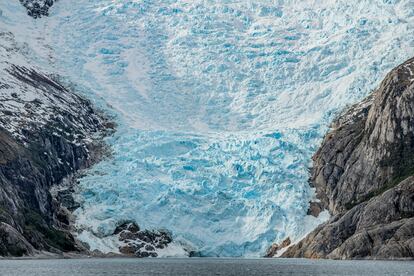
363 174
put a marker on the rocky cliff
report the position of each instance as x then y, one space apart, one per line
363 174
47 134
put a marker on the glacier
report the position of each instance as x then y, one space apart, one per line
220 105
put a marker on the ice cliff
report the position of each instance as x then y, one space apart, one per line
220 106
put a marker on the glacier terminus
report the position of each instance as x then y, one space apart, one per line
219 106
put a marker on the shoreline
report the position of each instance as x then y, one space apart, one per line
125 257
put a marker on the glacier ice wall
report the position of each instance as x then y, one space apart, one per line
220 106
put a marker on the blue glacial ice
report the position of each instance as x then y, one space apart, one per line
220 105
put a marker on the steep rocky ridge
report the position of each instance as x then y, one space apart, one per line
38 153
47 134
363 175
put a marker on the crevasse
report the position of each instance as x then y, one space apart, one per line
220 105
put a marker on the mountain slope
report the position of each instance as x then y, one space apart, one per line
39 154
363 174
47 134
220 105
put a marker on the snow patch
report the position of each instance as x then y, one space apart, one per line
221 105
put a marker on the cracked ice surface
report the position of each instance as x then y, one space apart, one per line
221 104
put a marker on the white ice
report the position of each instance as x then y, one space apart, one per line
220 106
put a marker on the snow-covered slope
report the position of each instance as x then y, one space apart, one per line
32 96
47 133
220 106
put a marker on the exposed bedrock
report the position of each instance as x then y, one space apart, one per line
141 243
363 175
37 8
47 134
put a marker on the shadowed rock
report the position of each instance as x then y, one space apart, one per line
42 145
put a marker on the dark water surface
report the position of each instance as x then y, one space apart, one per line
201 267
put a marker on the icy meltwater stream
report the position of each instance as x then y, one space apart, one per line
220 106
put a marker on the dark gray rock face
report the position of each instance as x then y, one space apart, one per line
13 243
362 174
47 134
37 8
141 243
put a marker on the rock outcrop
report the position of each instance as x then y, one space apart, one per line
37 8
363 174
276 248
47 134
141 243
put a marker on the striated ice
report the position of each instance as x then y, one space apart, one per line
220 106
228 195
